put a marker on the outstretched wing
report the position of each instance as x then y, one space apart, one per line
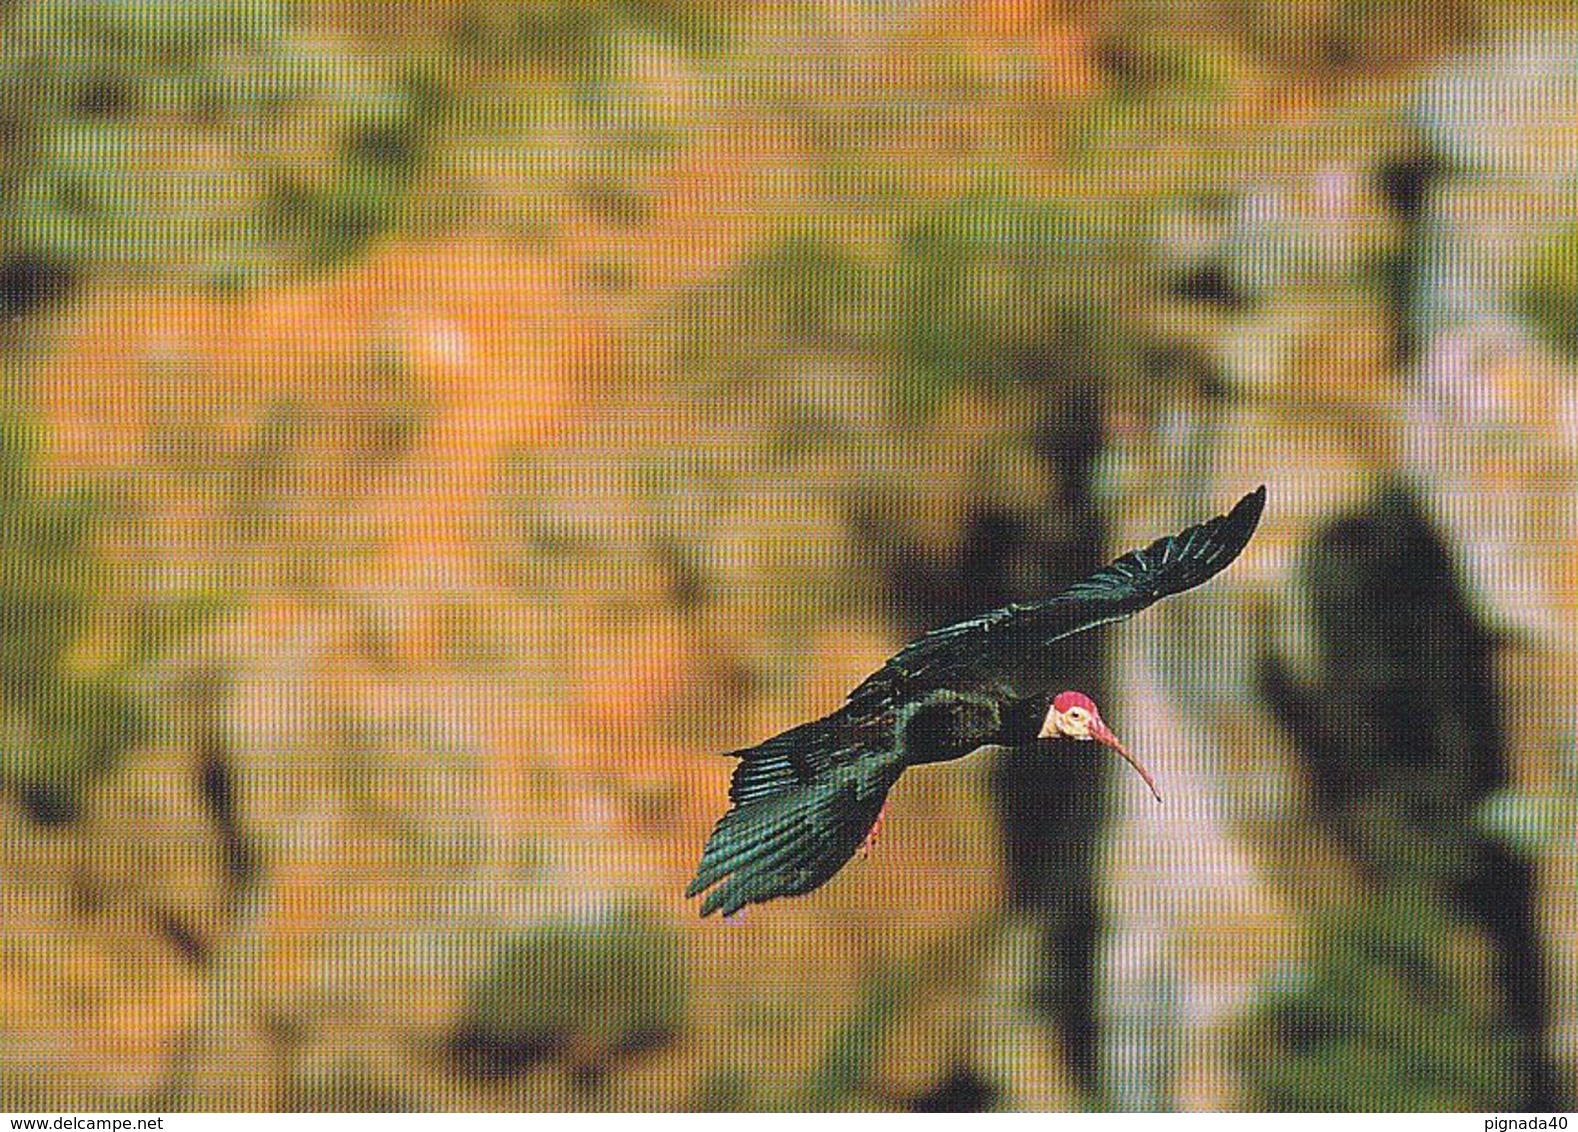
795 758
794 840
1003 651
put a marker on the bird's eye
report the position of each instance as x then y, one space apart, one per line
1078 714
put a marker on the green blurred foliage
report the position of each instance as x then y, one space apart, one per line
852 1049
65 717
220 142
1550 294
576 38
169 137
803 287
1385 1018
1364 36
966 293
330 213
342 1084
985 283
72 655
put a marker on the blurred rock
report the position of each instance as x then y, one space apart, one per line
1531 80
1491 411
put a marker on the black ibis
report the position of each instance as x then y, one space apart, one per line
805 801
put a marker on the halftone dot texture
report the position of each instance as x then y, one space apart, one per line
431 436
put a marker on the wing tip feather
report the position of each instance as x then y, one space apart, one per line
1240 523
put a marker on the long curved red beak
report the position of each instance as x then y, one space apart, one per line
1100 732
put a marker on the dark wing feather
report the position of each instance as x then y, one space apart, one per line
793 841
792 759
1002 651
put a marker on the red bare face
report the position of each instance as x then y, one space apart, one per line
1066 700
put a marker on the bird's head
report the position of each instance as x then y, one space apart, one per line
1074 715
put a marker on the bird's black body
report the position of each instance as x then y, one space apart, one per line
804 801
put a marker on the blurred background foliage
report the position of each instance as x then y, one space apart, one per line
431 434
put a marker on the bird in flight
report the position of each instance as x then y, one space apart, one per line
803 802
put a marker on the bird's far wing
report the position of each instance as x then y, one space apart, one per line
793 840
1003 650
